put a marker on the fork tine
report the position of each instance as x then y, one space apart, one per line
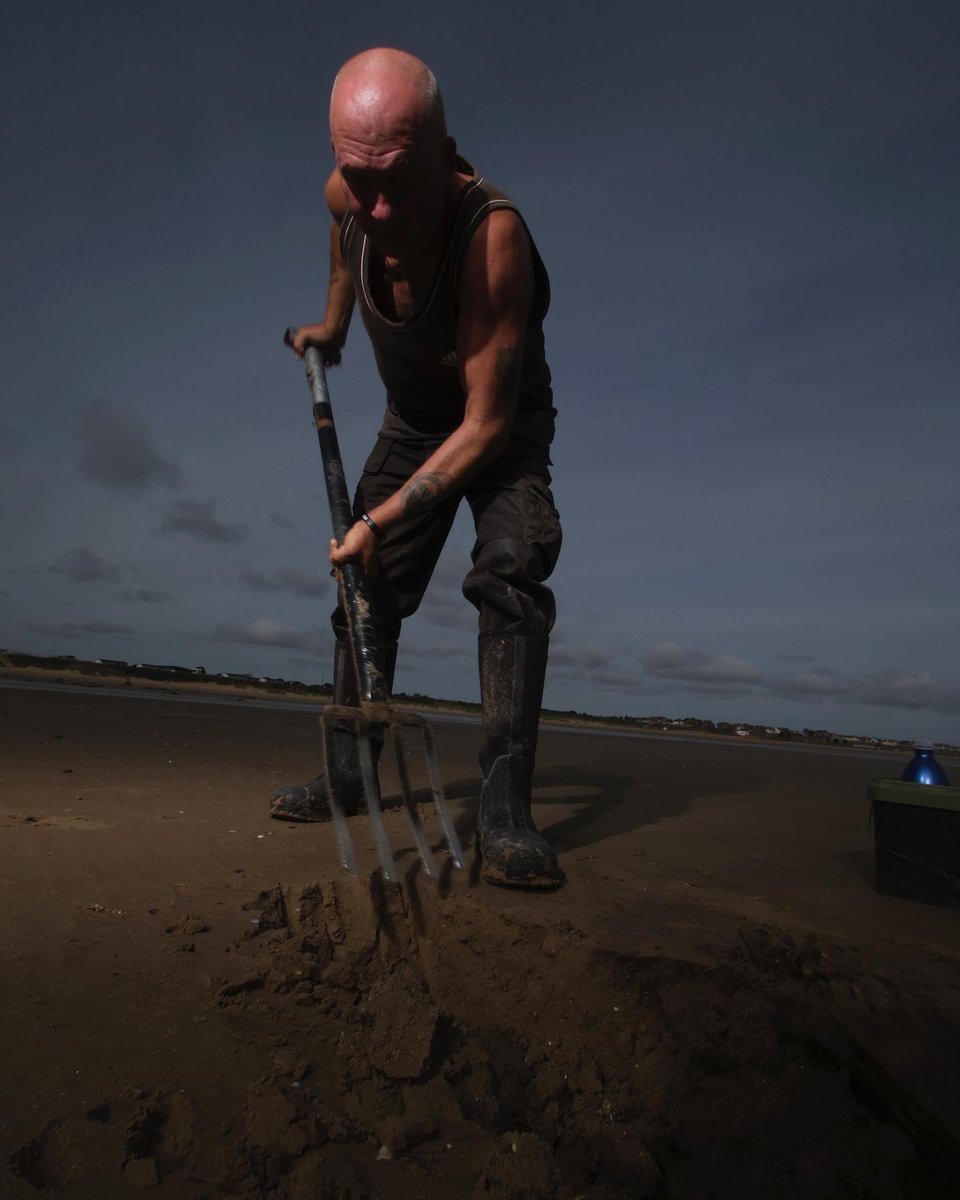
439 799
426 854
371 792
347 857
366 718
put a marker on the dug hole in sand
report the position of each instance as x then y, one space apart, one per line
555 1069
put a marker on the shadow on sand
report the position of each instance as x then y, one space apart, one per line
602 804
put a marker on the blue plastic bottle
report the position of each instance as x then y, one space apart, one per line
924 768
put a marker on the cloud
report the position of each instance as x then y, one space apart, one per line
265 631
320 668
582 658
822 681
667 660
197 518
84 629
288 579
143 596
81 565
117 450
280 521
712 674
701 672
411 653
885 689
631 682
906 690
447 607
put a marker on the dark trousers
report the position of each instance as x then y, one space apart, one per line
517 544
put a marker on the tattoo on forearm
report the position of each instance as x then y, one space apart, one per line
423 491
508 369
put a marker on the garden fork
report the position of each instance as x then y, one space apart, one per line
374 712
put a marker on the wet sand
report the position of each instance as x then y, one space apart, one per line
199 1003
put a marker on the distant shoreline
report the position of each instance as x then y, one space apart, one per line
230 689
209 686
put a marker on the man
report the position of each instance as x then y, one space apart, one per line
452 292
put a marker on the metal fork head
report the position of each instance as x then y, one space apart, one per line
373 719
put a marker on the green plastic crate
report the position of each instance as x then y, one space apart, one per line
916 830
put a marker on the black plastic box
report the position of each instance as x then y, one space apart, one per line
916 831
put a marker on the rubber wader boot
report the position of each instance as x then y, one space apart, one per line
512 667
308 801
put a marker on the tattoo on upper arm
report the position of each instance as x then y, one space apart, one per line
423 491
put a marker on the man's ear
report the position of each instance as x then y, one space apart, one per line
450 154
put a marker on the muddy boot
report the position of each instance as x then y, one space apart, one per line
308 801
512 668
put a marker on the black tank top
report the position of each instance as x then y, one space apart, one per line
417 359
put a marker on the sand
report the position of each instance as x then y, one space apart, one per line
198 1002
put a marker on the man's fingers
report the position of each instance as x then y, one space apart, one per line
358 546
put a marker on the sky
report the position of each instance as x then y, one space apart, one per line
749 216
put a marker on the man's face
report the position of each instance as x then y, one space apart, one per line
395 181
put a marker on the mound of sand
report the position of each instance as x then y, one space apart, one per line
420 1045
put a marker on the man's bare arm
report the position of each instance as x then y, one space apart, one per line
485 431
331 334
496 293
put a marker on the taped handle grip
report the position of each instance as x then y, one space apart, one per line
341 510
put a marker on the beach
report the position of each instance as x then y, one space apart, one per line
199 1002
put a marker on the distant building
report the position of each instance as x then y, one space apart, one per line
170 669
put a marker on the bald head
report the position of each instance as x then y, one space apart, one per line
384 91
397 165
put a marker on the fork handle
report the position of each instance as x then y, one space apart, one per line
356 599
